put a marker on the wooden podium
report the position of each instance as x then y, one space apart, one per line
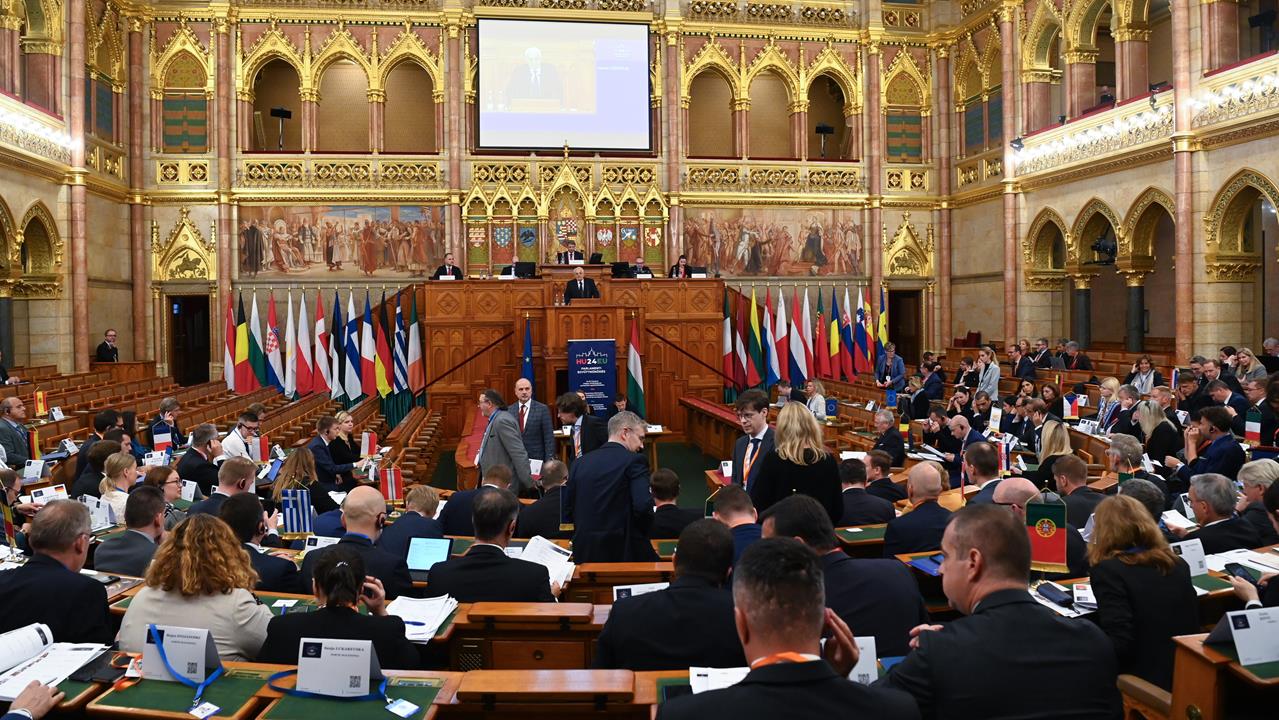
584 319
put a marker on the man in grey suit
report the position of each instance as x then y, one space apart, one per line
13 432
502 444
131 552
752 412
534 421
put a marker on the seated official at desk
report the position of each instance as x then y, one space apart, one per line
201 578
542 517
880 597
1213 498
781 615
879 477
485 573
1013 494
579 287
639 267
1062 667
417 520
860 507
448 269
237 475
363 517
340 585
921 529
680 269
458 514
90 481
569 254
1266 592
132 550
690 623
49 588
196 464
669 519
1255 478
243 514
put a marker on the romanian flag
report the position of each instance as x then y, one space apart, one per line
245 380
821 354
1046 528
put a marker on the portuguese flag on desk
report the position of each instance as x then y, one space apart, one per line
1046 528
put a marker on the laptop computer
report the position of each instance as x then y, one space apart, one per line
425 552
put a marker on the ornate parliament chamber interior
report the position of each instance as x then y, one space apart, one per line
942 331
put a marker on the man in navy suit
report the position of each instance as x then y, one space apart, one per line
455 518
860 507
934 386
568 254
1223 456
1221 394
966 435
752 413
920 529
49 588
981 462
236 475
542 517
418 520
130 553
534 421
243 513
890 438
586 431
579 287
878 596
1023 367
364 516
327 471
196 464
607 497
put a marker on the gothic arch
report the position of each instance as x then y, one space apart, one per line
1042 273
8 238
340 45
904 80
711 56
273 45
186 255
1093 208
772 59
182 44
829 62
1228 258
1139 225
991 63
408 47
43 260
965 64
1081 24
1045 24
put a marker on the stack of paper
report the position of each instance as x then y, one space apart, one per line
551 556
852 455
1264 564
29 653
702 679
1172 518
422 616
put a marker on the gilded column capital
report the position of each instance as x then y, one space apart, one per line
798 106
1131 33
221 25
376 95
1186 142
741 104
1134 278
1008 11
1078 56
1082 281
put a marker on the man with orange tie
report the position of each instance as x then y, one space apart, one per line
534 419
587 431
752 413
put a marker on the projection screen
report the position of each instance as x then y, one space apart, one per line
544 83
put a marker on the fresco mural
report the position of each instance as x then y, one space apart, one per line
774 241
381 241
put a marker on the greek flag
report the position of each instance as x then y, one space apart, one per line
296 511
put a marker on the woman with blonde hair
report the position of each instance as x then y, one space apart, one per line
798 463
345 449
1143 590
1054 442
120 473
167 480
816 393
1108 406
200 577
298 473
1248 367
1161 436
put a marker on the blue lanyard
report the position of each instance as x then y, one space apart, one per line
199 687
380 694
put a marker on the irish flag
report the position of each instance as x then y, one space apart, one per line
635 373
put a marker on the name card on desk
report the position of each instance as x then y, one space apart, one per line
44 495
866 671
697 276
337 668
188 490
100 514
576 261
726 468
653 428
189 652
1192 551
446 277
996 418
56 414
315 542
31 472
643 276
1255 634
155 459
625 591
69 447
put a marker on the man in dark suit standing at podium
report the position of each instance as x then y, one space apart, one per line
569 254
447 269
580 287
107 350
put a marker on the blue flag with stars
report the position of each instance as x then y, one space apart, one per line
526 371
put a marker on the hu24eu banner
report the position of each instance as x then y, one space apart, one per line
592 368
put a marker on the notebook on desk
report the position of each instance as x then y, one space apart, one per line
425 552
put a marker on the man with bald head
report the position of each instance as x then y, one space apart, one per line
920 529
1013 493
534 420
962 430
363 517
1063 668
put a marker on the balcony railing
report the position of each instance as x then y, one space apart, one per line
319 171
771 177
1121 130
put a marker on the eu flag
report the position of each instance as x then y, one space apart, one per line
526 371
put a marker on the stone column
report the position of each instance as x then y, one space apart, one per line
10 58
1008 42
377 120
799 132
673 146
945 170
1135 337
1183 148
1081 317
310 125
1132 76
1081 88
76 39
875 169
453 113
137 180
1037 91
224 97
1219 36
741 128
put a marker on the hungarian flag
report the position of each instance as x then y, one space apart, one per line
383 372
782 357
821 346
391 483
754 340
228 352
798 360
417 368
847 351
635 372
257 360
291 346
772 373
320 366
245 380
1252 426
368 444
368 351
274 365
1046 528
304 369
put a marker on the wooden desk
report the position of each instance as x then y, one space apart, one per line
564 445
594 582
712 427
525 695
866 541
240 692
125 371
715 480
523 636
427 689
1202 673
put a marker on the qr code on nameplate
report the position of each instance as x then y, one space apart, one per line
192 668
354 681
